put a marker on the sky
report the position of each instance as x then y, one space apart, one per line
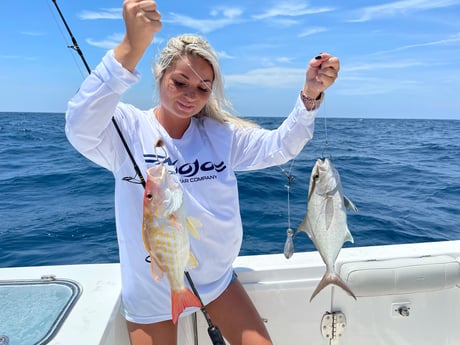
399 59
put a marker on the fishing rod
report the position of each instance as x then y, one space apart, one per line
75 45
213 331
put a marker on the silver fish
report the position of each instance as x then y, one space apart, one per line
326 220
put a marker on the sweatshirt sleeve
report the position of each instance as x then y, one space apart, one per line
257 148
89 113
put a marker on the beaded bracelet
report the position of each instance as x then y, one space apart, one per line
310 103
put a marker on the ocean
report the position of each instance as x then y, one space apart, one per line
56 207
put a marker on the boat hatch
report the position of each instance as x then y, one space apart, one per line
32 311
402 275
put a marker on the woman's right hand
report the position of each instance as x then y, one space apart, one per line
142 21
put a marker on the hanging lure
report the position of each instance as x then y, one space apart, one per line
289 244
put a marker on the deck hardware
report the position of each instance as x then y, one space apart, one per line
404 311
47 277
4 340
333 325
401 309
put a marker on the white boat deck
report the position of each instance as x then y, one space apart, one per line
422 278
96 308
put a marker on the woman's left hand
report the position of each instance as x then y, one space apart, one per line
322 72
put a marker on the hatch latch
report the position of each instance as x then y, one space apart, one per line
332 326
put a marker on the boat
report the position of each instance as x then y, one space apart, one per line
406 294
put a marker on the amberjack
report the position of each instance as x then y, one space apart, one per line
326 220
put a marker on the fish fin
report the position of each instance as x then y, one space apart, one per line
349 204
305 227
173 219
329 211
157 272
332 278
181 299
192 224
348 237
173 200
192 261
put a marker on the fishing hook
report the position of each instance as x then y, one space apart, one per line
160 144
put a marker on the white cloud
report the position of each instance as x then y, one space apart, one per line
268 77
105 13
275 61
282 77
311 31
354 83
401 7
283 21
108 43
451 40
362 86
33 33
201 25
113 40
292 9
284 59
381 65
227 12
224 55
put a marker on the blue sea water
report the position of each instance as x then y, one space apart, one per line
56 207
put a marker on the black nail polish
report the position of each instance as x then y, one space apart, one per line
319 57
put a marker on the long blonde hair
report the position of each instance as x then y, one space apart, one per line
218 106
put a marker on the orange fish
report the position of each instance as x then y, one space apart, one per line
165 231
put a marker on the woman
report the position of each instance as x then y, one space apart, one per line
203 145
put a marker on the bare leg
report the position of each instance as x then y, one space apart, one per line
237 318
160 333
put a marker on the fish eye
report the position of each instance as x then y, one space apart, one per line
149 196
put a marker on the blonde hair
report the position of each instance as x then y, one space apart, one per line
217 107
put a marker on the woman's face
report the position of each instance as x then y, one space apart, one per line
186 87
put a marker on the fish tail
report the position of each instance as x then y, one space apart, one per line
331 278
181 299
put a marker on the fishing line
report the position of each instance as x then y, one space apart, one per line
290 179
195 72
74 45
289 243
326 138
78 66
213 331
